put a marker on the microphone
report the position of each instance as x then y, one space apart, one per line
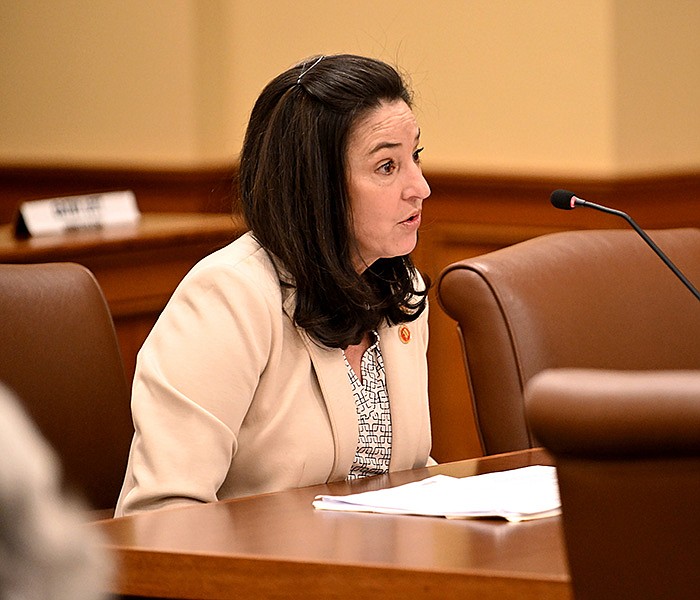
565 200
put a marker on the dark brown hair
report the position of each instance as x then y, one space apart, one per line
294 196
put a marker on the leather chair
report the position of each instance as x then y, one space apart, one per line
627 451
60 356
598 299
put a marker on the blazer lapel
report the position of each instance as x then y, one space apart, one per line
407 388
336 390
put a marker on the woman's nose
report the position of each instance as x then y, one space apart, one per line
416 186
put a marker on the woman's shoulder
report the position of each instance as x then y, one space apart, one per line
242 269
241 251
244 257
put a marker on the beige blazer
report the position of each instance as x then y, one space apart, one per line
231 399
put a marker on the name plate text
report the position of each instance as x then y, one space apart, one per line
93 211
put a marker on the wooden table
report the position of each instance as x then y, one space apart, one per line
279 546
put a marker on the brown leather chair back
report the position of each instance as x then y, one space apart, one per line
599 299
59 354
627 451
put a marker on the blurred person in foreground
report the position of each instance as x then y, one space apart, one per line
46 548
296 355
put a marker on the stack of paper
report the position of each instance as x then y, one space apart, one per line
516 495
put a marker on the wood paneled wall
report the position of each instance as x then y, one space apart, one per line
205 190
468 216
465 216
653 200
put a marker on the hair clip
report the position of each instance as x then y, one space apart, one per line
305 71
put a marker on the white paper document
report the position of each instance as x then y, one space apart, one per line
515 495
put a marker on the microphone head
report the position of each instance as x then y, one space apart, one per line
563 199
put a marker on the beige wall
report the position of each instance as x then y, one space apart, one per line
657 85
532 87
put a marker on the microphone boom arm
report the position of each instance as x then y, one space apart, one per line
645 237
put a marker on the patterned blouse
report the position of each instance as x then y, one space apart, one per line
372 403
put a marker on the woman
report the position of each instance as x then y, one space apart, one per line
297 354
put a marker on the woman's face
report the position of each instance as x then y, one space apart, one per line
385 183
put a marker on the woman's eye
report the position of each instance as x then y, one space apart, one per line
387 168
416 154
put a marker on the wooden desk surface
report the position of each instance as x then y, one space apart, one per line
154 230
137 266
279 546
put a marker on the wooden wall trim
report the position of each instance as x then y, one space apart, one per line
654 200
164 190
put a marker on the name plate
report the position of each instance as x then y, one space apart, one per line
71 213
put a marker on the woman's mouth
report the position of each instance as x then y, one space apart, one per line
413 220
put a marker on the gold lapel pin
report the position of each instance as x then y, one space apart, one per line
404 334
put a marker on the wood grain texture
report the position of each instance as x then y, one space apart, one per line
279 546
